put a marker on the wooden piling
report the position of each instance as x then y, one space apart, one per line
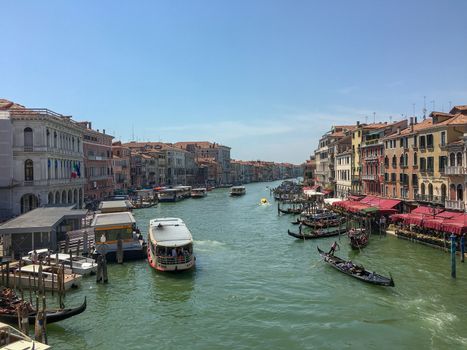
67 243
462 247
453 256
104 269
85 243
119 251
71 262
7 274
78 248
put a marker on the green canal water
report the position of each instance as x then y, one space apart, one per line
255 287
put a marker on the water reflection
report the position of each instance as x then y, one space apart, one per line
170 287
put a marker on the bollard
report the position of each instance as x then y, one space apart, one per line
462 247
453 256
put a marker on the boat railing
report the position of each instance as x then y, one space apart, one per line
174 260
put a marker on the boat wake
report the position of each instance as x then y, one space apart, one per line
208 245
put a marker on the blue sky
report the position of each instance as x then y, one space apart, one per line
264 77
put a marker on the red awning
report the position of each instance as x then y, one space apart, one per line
354 198
426 210
388 203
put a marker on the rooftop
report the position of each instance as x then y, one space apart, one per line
41 219
112 219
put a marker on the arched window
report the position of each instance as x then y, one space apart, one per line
406 159
50 198
430 190
459 159
386 162
415 158
55 139
47 135
460 193
28 139
443 192
452 159
394 161
28 202
401 160
422 188
28 170
57 197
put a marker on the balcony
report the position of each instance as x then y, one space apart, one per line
430 198
453 204
369 177
376 142
456 170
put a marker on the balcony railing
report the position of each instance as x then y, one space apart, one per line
456 170
430 198
369 177
453 204
371 157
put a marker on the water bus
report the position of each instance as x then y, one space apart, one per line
174 194
199 192
170 245
112 227
237 190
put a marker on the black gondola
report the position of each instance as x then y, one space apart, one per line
294 211
322 223
322 233
52 315
358 238
355 271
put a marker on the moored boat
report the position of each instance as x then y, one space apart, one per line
320 233
237 190
174 194
199 192
356 271
112 227
358 238
12 339
79 264
170 245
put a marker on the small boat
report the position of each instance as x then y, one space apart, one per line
199 192
358 238
263 201
170 245
12 339
294 211
9 302
27 277
322 223
237 190
174 194
356 271
80 264
296 222
320 233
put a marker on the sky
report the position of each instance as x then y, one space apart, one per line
266 78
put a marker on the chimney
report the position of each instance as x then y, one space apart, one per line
89 125
411 121
358 122
415 120
103 131
398 131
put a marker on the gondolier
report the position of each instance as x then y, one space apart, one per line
333 248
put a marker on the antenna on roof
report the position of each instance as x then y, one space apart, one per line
374 117
366 119
450 105
433 104
424 107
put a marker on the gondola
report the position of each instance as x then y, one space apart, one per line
295 211
322 223
296 222
322 233
358 238
52 315
355 271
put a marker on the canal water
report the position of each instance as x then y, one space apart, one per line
255 287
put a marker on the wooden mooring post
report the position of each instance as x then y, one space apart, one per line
453 256
119 251
101 275
462 247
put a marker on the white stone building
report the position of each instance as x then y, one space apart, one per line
41 159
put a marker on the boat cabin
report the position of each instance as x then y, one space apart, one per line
198 192
115 206
174 194
237 190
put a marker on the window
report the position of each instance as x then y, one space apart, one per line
429 141
443 138
394 161
422 164
415 141
422 142
443 160
415 159
401 142
28 170
430 164
459 159
414 180
28 139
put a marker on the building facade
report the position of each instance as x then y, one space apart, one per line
44 159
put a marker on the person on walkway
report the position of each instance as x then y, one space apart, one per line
333 248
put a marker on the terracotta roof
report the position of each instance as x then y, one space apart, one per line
7 104
199 144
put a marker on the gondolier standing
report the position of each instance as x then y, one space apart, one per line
333 248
